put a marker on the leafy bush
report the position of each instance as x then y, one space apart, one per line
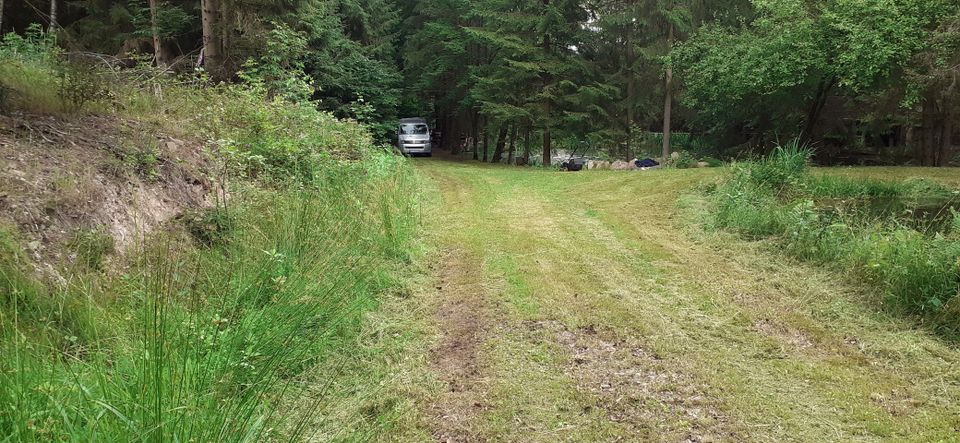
278 141
849 223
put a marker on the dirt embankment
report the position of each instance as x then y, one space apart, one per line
62 178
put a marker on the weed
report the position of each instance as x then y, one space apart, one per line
91 247
210 227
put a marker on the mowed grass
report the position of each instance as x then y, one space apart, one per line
617 317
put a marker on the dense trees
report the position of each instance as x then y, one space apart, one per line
857 79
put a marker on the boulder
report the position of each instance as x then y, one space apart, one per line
620 165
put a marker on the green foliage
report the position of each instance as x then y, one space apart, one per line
874 230
27 71
279 71
172 20
276 141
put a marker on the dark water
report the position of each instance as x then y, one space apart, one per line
930 215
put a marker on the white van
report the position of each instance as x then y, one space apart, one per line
413 136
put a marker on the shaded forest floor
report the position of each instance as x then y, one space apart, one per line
593 307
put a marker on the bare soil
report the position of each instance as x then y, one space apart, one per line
463 316
121 177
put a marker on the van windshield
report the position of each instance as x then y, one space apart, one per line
413 129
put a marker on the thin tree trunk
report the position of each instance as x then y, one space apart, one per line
501 142
668 102
546 146
1 18
224 34
455 139
486 140
631 90
159 54
513 145
474 132
53 16
526 145
210 10
546 100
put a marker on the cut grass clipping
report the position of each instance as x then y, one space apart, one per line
901 237
200 343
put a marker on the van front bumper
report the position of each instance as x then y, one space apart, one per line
409 148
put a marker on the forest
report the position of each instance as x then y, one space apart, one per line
211 229
862 81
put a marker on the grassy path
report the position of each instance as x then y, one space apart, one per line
589 307
573 307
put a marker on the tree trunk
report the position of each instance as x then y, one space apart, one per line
212 57
455 136
546 99
1 18
513 145
501 142
159 55
486 140
631 90
474 132
668 102
546 146
224 37
53 17
526 145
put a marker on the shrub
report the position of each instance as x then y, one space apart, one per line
80 84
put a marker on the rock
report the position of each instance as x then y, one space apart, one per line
591 164
619 165
703 165
674 155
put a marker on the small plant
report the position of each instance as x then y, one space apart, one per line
144 160
210 227
91 247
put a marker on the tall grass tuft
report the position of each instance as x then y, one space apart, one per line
902 238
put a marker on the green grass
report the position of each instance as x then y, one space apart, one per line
697 333
204 344
204 331
899 236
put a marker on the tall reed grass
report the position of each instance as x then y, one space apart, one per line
201 344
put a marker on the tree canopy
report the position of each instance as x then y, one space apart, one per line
859 80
